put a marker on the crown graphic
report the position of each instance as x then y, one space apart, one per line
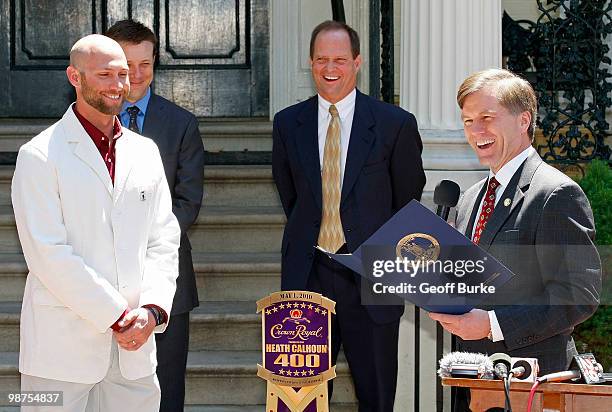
296 313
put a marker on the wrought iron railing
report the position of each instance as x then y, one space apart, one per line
381 50
564 55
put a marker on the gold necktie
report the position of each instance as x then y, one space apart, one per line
331 235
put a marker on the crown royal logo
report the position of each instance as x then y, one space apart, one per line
296 349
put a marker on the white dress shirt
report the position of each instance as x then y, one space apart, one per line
346 110
503 176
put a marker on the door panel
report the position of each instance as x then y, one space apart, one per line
213 55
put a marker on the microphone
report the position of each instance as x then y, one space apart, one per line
446 195
524 369
501 364
465 365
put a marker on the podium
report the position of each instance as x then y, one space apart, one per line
562 397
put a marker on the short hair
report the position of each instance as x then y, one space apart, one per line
512 91
331 25
132 31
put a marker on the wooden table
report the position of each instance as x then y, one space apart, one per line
563 397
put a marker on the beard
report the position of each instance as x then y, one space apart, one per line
91 96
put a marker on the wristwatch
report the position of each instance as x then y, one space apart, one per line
156 315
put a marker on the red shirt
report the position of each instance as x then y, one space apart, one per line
105 146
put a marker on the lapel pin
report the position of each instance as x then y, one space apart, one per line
142 196
507 202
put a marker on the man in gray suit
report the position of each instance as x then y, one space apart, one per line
175 130
531 217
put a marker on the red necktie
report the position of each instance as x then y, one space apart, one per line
487 209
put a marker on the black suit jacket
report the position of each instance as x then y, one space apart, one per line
175 130
383 172
545 237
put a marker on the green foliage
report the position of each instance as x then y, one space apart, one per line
597 185
595 334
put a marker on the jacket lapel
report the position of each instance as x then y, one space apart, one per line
307 142
360 142
514 191
155 118
124 160
85 149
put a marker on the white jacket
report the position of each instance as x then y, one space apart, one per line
92 249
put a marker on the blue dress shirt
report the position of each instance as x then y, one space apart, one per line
142 106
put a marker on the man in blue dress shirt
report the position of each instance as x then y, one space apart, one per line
175 130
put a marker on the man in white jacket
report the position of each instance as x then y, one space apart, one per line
95 221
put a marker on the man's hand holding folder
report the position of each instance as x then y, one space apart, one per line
419 257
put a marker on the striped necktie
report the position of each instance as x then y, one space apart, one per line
331 235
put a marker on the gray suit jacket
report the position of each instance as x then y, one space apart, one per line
175 130
545 236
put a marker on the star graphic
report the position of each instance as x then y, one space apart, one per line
282 306
303 373
310 372
274 309
317 310
323 312
281 372
289 373
268 311
310 306
296 305
303 306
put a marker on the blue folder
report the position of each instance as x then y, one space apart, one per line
417 234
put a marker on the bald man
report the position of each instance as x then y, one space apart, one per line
94 216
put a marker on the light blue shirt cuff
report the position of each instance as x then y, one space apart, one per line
496 332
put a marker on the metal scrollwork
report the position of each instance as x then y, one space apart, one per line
564 55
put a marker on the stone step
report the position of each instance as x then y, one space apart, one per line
218 229
219 276
221 229
228 326
234 185
239 185
6 174
216 378
218 134
13 272
237 276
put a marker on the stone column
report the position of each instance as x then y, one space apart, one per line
442 42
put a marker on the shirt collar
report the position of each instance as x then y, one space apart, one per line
508 170
96 134
344 106
141 104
